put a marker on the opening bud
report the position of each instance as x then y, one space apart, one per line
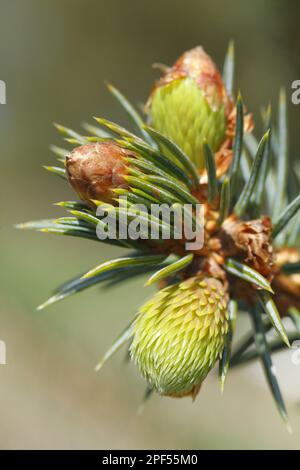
190 104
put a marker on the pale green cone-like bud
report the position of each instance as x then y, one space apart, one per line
190 104
179 334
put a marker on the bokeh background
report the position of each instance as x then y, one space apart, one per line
54 58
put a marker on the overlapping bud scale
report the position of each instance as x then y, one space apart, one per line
95 169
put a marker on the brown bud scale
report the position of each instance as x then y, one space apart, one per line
95 169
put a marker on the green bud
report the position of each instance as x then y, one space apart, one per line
179 334
190 104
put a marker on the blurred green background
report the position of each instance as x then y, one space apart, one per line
54 58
